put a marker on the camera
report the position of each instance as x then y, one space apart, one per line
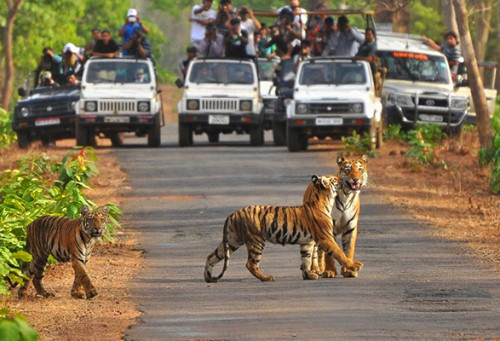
47 58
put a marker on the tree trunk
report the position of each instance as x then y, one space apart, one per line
8 82
475 81
449 16
482 18
498 48
395 12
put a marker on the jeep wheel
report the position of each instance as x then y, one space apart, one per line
213 137
380 133
257 135
279 133
296 140
185 135
23 139
116 139
83 136
154 133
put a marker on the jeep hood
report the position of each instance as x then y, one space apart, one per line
220 91
331 93
391 85
124 91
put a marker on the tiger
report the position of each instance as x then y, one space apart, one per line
66 239
254 225
353 175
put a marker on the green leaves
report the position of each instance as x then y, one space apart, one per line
13 327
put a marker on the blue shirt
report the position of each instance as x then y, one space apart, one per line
127 35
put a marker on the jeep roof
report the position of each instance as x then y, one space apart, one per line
389 41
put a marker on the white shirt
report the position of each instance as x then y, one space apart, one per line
249 26
303 16
198 30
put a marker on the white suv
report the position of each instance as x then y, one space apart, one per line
119 95
331 98
221 96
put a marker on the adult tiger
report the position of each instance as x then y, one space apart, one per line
66 240
353 175
253 225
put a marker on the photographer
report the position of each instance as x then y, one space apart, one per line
225 13
236 40
138 46
201 16
131 22
73 59
213 43
47 80
49 61
250 24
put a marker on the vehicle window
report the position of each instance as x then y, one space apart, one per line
333 73
227 73
266 69
415 66
120 72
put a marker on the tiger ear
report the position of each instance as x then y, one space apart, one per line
340 159
314 178
84 210
105 209
324 183
364 158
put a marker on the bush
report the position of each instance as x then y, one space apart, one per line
395 133
15 327
492 156
40 186
424 142
7 135
358 145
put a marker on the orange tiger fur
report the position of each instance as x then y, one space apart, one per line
254 225
66 240
345 213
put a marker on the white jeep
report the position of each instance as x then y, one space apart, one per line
221 96
119 95
331 98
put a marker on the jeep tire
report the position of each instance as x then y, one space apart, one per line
185 135
116 139
154 133
23 139
257 135
213 137
296 140
279 133
83 137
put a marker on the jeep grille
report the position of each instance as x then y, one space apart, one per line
50 108
329 108
117 106
219 105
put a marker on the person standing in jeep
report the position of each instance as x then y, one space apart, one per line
236 40
451 49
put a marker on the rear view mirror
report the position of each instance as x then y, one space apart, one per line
21 92
179 83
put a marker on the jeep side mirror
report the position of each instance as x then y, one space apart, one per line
179 83
159 91
21 92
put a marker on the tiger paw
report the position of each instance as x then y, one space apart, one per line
329 274
267 279
78 294
91 293
350 274
309 276
356 266
47 294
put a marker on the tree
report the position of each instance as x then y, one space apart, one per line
12 10
475 81
449 16
482 18
396 12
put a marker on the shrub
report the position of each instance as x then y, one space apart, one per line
395 133
424 142
492 156
15 327
7 136
358 145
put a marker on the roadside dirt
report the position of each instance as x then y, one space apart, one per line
456 203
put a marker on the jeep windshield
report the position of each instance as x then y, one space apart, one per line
113 71
333 73
266 69
222 73
417 67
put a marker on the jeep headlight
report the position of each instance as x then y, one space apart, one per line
301 109
245 105
357 108
459 103
193 104
73 105
24 112
143 106
90 106
286 101
404 100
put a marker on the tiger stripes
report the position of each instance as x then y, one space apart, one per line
66 240
305 225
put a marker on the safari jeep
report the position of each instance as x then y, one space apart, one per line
331 98
221 96
119 95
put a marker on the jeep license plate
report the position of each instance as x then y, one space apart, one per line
329 121
117 119
431 118
218 119
47 121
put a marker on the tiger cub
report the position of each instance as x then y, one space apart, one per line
254 225
353 176
66 240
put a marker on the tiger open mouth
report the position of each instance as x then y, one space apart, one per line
96 234
355 186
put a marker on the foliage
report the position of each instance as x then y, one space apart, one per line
492 156
41 186
424 142
14 327
394 133
358 145
7 136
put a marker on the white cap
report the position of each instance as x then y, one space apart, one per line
132 12
71 48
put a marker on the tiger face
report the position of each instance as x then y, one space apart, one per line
330 182
94 222
353 173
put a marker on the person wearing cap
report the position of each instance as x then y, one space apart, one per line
225 13
349 38
131 22
191 52
107 46
137 46
47 80
140 76
201 16
212 45
451 49
236 40
250 24
73 59
49 61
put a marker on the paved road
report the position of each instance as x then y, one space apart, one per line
412 286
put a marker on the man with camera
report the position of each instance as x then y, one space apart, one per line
138 46
49 61
201 16
212 46
225 13
236 40
131 22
